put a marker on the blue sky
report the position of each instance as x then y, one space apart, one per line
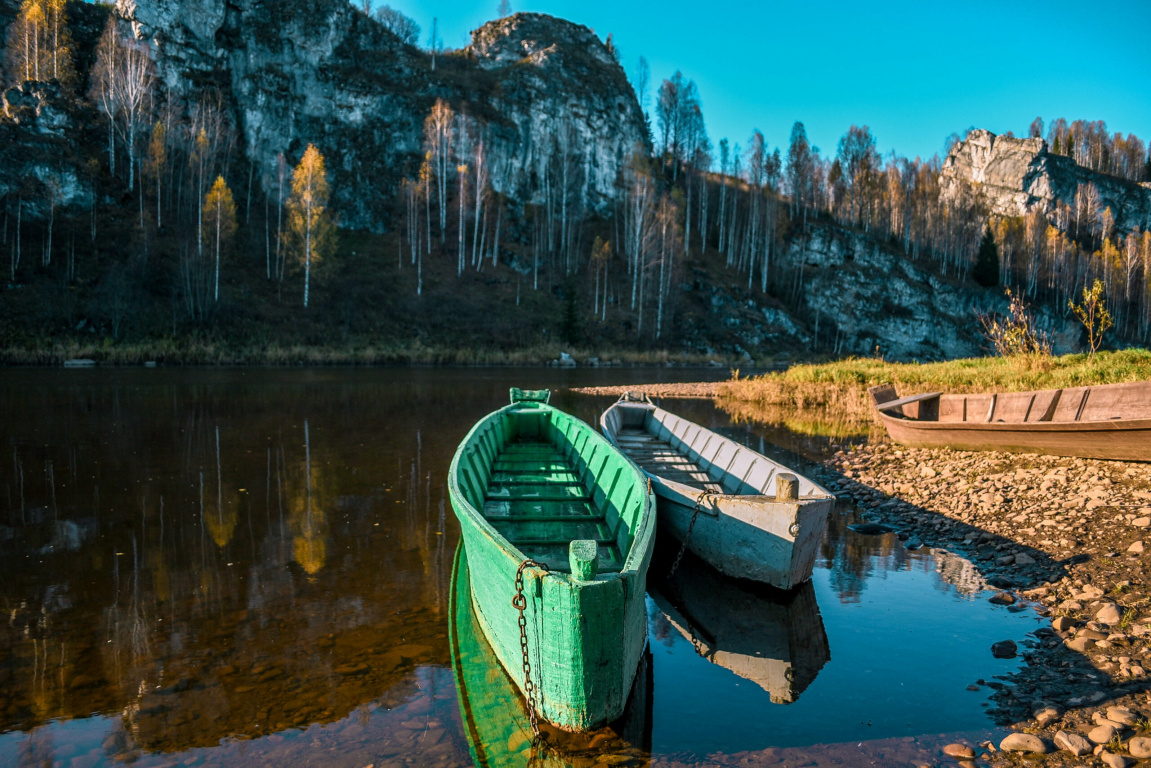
913 71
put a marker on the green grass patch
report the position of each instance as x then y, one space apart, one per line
836 393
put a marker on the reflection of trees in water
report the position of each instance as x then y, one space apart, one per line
159 565
307 520
853 558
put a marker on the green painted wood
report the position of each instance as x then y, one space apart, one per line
585 637
494 715
518 395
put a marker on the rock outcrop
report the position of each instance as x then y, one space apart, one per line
859 296
1016 176
545 91
38 150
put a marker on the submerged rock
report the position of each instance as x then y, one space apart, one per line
1004 649
959 751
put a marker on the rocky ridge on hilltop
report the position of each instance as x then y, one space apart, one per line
1016 176
546 91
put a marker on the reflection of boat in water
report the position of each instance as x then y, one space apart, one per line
774 639
494 715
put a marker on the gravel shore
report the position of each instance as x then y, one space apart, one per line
1061 536
693 389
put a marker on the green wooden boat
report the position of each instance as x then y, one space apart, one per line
532 484
495 717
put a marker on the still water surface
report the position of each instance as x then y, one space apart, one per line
250 567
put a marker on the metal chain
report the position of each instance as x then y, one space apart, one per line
519 602
690 528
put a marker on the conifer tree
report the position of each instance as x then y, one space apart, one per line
986 271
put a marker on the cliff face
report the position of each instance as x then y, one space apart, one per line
1016 176
857 295
547 92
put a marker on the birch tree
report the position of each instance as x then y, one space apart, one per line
157 158
308 212
40 44
438 147
220 219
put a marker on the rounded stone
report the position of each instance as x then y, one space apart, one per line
1113 761
1023 742
1140 747
1004 649
959 751
1102 734
1122 715
1073 743
1109 614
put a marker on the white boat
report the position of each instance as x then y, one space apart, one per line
746 515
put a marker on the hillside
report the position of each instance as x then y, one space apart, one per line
504 202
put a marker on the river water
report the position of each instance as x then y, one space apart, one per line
255 567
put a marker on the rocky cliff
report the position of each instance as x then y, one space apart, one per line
858 296
323 72
1016 176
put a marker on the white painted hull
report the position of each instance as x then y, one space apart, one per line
743 530
746 537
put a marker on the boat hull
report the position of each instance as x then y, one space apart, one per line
746 537
1111 440
741 531
584 640
584 637
1110 421
493 712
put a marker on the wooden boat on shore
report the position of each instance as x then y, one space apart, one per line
558 520
771 638
1111 421
744 514
495 717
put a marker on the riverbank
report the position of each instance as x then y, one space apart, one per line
1066 538
1062 536
836 393
207 353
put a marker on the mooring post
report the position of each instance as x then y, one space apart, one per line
786 487
583 556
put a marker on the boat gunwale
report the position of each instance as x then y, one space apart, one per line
640 537
1116 424
1096 425
690 492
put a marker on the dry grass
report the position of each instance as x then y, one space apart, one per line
831 398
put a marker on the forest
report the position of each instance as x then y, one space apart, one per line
184 240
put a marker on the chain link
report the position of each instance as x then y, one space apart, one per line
520 603
691 526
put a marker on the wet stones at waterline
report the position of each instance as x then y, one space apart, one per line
1060 536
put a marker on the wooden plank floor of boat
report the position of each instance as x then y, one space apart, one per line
659 458
538 502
